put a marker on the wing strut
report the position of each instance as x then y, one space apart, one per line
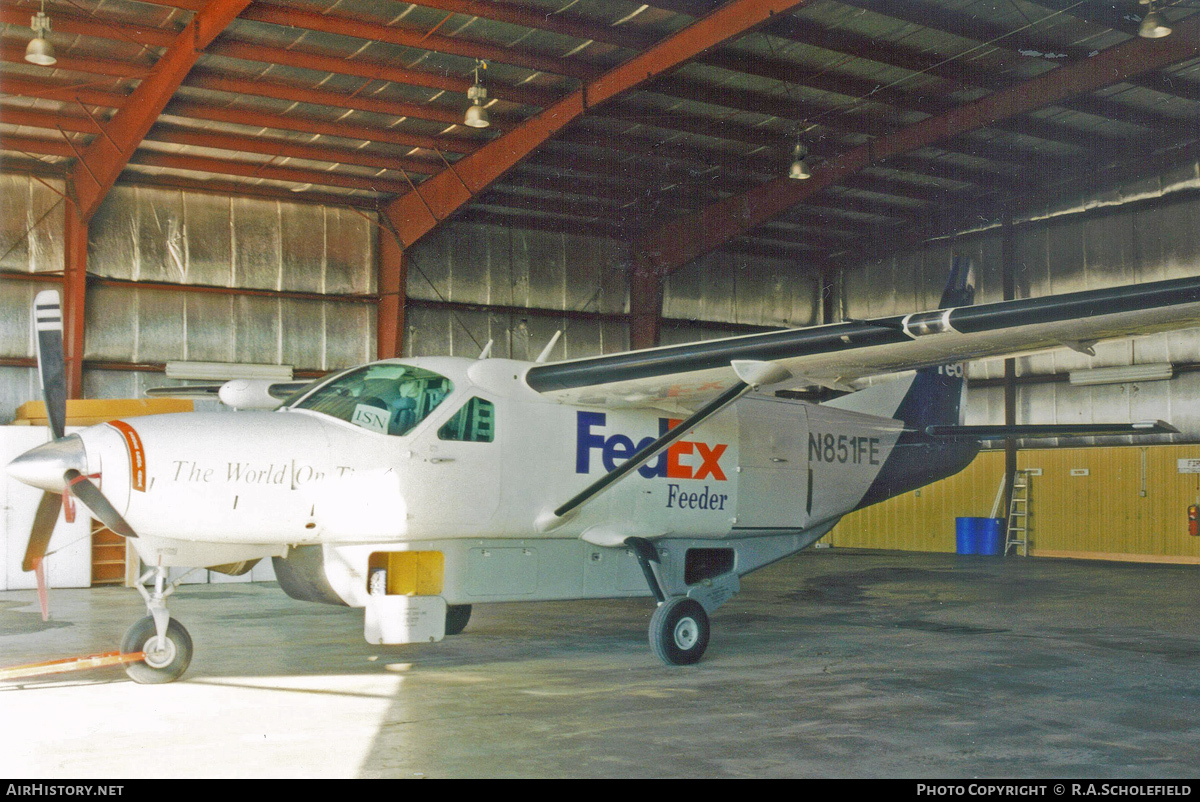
751 375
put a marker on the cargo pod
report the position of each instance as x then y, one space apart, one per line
404 604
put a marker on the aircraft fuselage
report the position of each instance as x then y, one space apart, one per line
297 476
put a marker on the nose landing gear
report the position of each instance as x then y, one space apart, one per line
167 646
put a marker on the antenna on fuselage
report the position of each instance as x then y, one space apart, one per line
549 347
487 350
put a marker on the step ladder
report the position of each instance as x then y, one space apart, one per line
1018 515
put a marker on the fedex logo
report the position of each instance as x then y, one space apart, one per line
682 460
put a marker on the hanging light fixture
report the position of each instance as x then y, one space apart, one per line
477 116
40 51
799 168
1153 26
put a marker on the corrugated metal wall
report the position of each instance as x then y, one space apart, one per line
733 288
1099 503
487 265
175 237
31 241
172 237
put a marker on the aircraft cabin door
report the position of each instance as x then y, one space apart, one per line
459 480
773 486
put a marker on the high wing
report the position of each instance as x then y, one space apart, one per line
685 376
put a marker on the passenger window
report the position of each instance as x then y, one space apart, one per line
475 422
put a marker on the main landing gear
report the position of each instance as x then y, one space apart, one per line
679 627
167 646
457 616
679 631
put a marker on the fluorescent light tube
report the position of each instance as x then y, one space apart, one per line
225 371
1123 373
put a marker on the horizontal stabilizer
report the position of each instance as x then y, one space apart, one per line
1053 430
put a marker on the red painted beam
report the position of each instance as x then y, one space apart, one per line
375 70
96 25
203 79
233 167
645 307
89 65
538 19
75 242
392 280
416 213
264 169
687 238
190 5
408 36
206 164
65 91
78 123
242 189
107 156
39 146
164 132
309 125
278 148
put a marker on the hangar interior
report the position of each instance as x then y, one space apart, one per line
317 184
306 185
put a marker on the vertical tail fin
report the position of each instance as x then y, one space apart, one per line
960 287
935 397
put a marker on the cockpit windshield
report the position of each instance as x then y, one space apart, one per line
385 398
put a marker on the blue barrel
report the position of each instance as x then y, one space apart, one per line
979 535
991 536
966 535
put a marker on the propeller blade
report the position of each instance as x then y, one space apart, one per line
82 488
43 593
43 527
52 371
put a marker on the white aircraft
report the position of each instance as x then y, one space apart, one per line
415 488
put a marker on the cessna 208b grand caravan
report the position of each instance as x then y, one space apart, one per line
415 488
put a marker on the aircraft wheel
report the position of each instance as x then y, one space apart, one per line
165 664
679 631
457 616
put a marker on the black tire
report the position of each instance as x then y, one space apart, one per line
679 631
157 668
457 616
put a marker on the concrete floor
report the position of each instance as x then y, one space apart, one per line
834 663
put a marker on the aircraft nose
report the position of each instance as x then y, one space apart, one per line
44 466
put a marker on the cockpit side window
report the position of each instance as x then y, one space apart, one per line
389 399
475 422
